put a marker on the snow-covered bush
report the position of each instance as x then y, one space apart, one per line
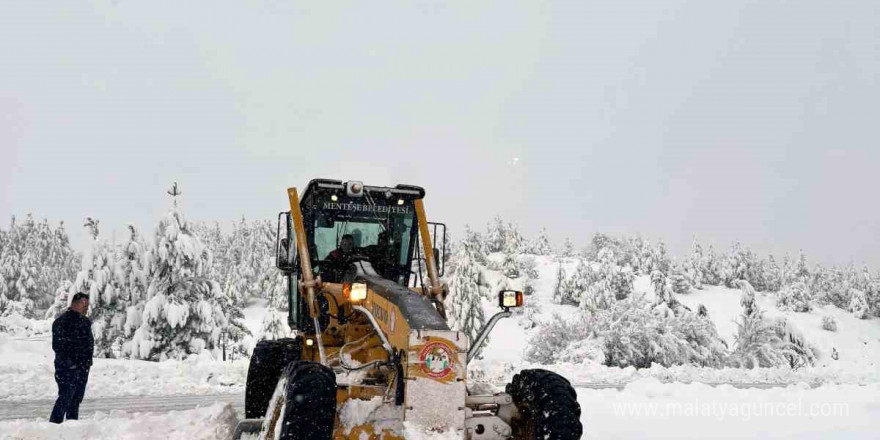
633 335
795 297
829 323
553 338
528 267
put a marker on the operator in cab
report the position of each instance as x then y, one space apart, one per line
380 253
339 258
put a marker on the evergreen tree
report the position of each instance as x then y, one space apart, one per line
712 268
464 302
34 260
514 243
858 305
680 281
182 314
802 272
541 245
693 266
567 248
794 297
496 233
63 294
106 304
273 326
661 258
509 267
559 286
773 275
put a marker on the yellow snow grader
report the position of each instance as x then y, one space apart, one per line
372 355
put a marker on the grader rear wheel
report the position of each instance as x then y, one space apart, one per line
547 405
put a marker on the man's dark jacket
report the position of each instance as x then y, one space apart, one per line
72 340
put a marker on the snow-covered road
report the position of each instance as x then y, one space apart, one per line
644 409
30 409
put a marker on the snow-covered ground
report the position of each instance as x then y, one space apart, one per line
648 409
209 423
27 372
833 399
857 341
645 409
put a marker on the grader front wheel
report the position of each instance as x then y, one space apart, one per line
304 404
547 406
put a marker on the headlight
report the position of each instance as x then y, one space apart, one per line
358 292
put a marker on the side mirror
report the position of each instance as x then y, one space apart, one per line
510 298
282 260
437 257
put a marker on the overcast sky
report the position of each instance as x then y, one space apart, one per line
756 121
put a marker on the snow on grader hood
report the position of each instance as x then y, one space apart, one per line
372 350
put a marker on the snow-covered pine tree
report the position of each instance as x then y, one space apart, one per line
693 266
514 243
680 281
107 305
34 260
840 289
559 294
788 271
802 271
858 305
476 245
665 301
541 245
757 344
130 270
183 315
661 258
794 297
773 277
63 294
273 326
509 267
464 304
496 233
711 267
567 249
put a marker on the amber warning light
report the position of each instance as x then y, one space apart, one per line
510 298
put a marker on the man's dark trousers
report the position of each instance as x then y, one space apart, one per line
71 388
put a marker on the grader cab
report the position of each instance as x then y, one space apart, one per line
372 354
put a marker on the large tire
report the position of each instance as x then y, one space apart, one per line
547 406
267 361
304 403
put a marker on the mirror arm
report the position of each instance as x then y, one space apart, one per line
484 333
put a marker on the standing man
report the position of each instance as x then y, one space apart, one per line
74 346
